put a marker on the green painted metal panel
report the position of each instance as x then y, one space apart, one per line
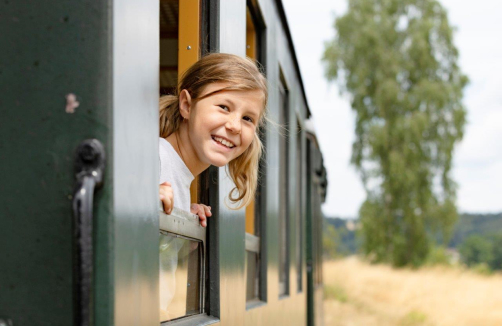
309 237
107 55
232 223
135 162
49 50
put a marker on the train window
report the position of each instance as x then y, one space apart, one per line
179 48
180 280
299 207
169 26
254 263
284 190
250 35
181 265
182 247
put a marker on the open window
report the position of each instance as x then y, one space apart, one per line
179 48
182 241
182 247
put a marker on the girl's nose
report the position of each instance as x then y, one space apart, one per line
234 124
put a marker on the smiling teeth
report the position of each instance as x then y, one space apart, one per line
224 142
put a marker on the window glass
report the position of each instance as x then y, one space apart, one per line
252 276
180 279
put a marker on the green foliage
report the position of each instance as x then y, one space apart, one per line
346 237
413 318
476 250
496 262
471 224
438 256
483 252
482 268
396 60
335 292
330 241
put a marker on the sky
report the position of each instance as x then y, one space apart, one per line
477 163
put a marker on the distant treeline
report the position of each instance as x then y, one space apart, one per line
469 224
484 225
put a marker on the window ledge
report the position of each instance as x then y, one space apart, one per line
284 296
255 304
197 320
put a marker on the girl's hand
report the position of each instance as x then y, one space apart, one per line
202 211
166 196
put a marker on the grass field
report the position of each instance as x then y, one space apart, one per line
360 294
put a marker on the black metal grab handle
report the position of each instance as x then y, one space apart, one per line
89 168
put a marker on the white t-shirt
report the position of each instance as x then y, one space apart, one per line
174 170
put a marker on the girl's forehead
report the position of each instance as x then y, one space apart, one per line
225 90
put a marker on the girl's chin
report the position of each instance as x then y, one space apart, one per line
219 162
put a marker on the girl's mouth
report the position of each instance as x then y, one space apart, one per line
223 142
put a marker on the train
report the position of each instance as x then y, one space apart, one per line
81 220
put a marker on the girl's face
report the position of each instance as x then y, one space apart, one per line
223 125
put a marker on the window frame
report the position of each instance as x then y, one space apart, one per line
256 243
284 193
299 205
187 225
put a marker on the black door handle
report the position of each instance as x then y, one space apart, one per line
89 168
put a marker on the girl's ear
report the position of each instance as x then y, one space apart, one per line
185 104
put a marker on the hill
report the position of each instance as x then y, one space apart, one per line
346 232
468 224
475 224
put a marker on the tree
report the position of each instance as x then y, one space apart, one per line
397 61
330 240
496 262
476 250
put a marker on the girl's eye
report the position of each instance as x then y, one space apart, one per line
224 107
248 119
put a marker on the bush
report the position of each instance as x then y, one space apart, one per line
413 318
496 263
476 250
438 256
335 292
482 268
330 241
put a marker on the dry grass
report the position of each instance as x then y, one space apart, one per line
360 294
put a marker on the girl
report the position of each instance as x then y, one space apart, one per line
213 119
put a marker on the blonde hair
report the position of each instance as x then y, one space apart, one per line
237 73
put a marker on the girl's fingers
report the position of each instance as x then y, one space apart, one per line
167 203
201 212
166 196
194 208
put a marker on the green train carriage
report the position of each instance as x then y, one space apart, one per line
74 71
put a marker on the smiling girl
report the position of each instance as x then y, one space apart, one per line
212 119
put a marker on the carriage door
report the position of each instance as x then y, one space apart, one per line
73 71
